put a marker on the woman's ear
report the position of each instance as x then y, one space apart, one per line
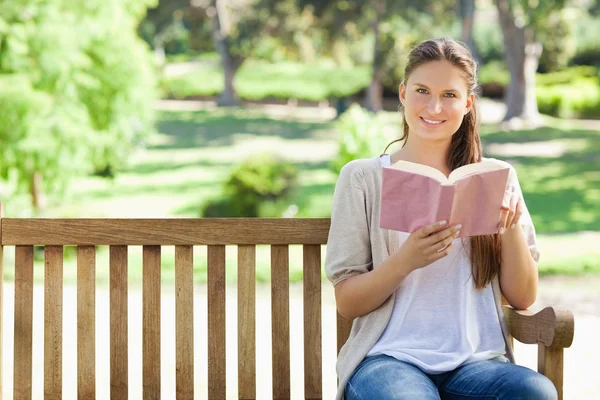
402 92
470 103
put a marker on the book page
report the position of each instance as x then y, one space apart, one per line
475 168
420 169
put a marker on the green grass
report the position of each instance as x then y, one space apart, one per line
186 162
285 80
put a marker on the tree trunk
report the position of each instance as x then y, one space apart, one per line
467 16
221 31
374 94
522 56
36 188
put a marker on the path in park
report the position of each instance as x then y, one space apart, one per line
582 295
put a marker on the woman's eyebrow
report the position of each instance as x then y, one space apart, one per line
425 86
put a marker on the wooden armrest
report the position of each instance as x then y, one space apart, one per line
552 326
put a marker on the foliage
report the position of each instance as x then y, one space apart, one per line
579 98
558 41
259 179
76 89
361 136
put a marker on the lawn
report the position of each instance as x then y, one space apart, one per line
184 164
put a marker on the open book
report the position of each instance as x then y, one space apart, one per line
414 195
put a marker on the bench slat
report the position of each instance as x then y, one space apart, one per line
343 331
53 294
216 323
280 320
151 322
184 325
86 322
118 323
23 322
246 322
168 231
312 322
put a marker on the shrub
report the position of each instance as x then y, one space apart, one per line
259 179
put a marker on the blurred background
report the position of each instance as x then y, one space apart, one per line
221 108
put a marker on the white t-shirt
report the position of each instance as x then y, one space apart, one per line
440 321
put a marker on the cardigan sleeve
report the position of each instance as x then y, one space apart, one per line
348 245
525 220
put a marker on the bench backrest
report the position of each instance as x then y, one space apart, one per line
184 234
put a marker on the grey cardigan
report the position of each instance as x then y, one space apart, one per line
357 244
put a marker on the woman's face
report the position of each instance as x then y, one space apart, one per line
435 99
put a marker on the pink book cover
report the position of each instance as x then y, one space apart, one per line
415 195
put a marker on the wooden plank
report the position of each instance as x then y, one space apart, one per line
1 299
216 323
118 323
168 231
280 321
343 331
184 323
86 322
246 322
151 322
313 382
551 364
53 294
23 322
552 326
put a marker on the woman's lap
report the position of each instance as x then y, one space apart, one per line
384 377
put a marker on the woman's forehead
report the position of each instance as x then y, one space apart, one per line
439 75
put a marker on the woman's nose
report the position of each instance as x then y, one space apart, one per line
435 105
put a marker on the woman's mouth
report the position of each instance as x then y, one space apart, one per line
432 122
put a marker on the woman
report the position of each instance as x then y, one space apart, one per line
428 320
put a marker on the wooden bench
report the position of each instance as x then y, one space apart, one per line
551 329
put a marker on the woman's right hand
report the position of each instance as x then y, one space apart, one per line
427 245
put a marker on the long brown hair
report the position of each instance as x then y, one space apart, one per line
465 147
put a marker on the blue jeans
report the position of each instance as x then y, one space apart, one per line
383 377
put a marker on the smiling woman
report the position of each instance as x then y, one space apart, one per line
426 305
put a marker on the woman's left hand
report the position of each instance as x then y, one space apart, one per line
512 207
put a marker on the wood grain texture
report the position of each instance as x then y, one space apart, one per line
151 322
280 320
216 323
313 382
184 322
197 231
343 330
53 295
550 364
118 323
246 322
86 322
23 322
1 300
552 326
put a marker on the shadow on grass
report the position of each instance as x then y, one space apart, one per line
218 128
562 193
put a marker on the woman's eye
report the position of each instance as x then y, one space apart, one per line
423 91
450 95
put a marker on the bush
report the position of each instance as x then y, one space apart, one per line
260 179
578 99
362 136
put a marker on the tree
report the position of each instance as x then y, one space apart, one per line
394 25
522 26
76 91
466 11
240 26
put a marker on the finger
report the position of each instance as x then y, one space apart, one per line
518 213
442 235
510 220
443 244
441 254
429 229
505 211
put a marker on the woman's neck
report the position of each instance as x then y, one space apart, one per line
427 153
